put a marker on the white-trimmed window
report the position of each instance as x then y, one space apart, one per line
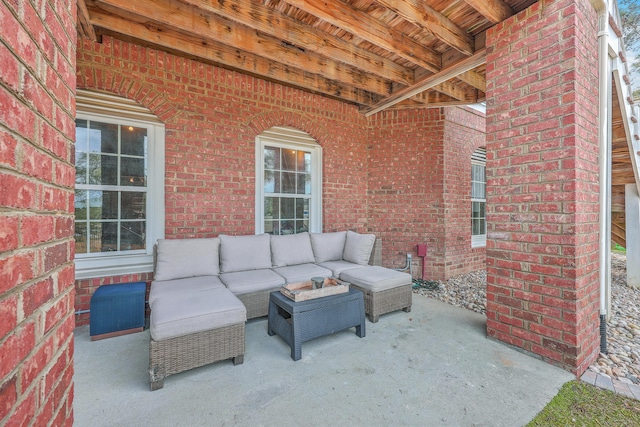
119 192
478 198
288 182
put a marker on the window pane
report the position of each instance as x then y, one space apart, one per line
134 141
287 227
270 183
304 161
81 237
133 172
80 204
271 157
103 138
272 227
476 227
108 233
109 204
132 236
81 167
475 209
95 204
82 140
288 183
103 169
302 226
482 210
289 160
271 208
304 183
287 208
300 208
81 123
133 205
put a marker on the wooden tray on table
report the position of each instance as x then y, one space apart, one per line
304 291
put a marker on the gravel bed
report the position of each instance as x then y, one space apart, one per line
622 360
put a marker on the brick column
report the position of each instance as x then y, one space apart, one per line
37 130
542 182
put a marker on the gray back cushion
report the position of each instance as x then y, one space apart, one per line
328 246
358 247
291 249
182 258
241 253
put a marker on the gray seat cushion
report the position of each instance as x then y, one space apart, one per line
338 267
358 247
244 282
241 253
328 246
291 249
375 278
177 287
180 258
302 272
195 312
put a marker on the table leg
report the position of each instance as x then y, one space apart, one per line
361 330
296 344
273 310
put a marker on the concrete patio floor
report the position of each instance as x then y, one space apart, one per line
431 367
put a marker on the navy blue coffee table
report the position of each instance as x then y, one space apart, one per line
297 322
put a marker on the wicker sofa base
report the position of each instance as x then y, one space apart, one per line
186 352
381 302
257 303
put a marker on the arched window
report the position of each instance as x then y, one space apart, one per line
478 198
288 182
119 192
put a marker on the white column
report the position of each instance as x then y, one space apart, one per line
632 213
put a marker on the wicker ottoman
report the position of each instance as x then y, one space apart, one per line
193 330
385 290
117 309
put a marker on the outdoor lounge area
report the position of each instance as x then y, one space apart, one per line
462 135
433 366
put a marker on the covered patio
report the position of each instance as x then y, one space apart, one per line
433 366
374 95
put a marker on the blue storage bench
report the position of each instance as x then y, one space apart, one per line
117 309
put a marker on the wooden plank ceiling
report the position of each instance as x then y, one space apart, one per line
376 54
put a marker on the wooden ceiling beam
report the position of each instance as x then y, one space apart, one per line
434 100
428 19
474 79
228 56
456 92
363 26
279 25
215 29
454 70
85 29
494 10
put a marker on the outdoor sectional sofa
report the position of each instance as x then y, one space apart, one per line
205 289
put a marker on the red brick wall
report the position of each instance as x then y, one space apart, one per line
212 117
37 105
385 175
420 187
542 249
464 133
406 168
